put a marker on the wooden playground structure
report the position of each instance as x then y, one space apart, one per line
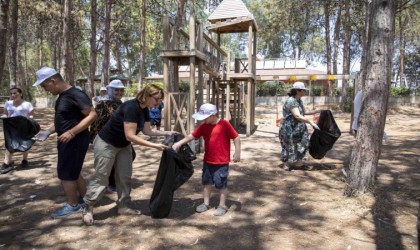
232 91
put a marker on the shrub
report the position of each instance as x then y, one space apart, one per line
349 102
399 91
271 88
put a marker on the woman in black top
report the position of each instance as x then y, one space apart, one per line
112 146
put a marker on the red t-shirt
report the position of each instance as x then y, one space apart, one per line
216 141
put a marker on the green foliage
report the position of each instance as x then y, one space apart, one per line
316 91
399 92
184 87
349 101
270 88
132 90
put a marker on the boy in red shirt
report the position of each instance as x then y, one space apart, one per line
217 134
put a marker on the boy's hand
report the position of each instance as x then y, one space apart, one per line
236 157
176 146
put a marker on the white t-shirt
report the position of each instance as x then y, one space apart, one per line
357 105
22 110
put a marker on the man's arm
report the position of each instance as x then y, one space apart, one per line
90 115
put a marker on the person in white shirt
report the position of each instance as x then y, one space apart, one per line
102 97
357 105
16 106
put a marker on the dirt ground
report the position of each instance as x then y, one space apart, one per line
269 208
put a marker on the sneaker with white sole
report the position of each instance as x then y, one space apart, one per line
6 168
221 210
202 208
66 210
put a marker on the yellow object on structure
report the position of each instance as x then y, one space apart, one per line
293 78
331 77
313 77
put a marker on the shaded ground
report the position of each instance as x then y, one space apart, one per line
269 208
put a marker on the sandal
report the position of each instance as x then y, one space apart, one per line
88 218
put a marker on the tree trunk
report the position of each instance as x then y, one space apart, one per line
327 40
71 70
336 37
367 149
90 88
107 31
13 44
402 49
362 76
346 51
65 40
4 11
142 44
174 86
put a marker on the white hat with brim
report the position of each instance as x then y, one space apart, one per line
43 74
206 110
103 88
117 84
299 85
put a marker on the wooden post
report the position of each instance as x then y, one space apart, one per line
228 117
191 103
166 39
249 97
200 68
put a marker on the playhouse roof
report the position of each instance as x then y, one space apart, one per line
231 16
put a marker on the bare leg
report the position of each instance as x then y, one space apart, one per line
206 194
7 157
70 190
25 155
81 186
223 196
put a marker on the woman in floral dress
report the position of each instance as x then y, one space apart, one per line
294 138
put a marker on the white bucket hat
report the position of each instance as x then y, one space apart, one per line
103 88
116 84
205 111
43 74
299 85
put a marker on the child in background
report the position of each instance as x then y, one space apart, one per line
217 134
155 114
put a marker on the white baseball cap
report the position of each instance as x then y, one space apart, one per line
103 88
43 74
116 84
299 85
205 111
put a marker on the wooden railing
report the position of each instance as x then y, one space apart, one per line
197 40
178 104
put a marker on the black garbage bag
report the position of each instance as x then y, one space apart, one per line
174 170
18 133
322 140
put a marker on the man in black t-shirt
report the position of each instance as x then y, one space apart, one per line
73 115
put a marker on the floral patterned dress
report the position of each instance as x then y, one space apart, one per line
104 110
293 134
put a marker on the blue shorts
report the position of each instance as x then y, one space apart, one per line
71 156
155 122
216 174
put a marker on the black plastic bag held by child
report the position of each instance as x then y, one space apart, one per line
174 170
18 133
323 139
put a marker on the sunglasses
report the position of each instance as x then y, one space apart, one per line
156 98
